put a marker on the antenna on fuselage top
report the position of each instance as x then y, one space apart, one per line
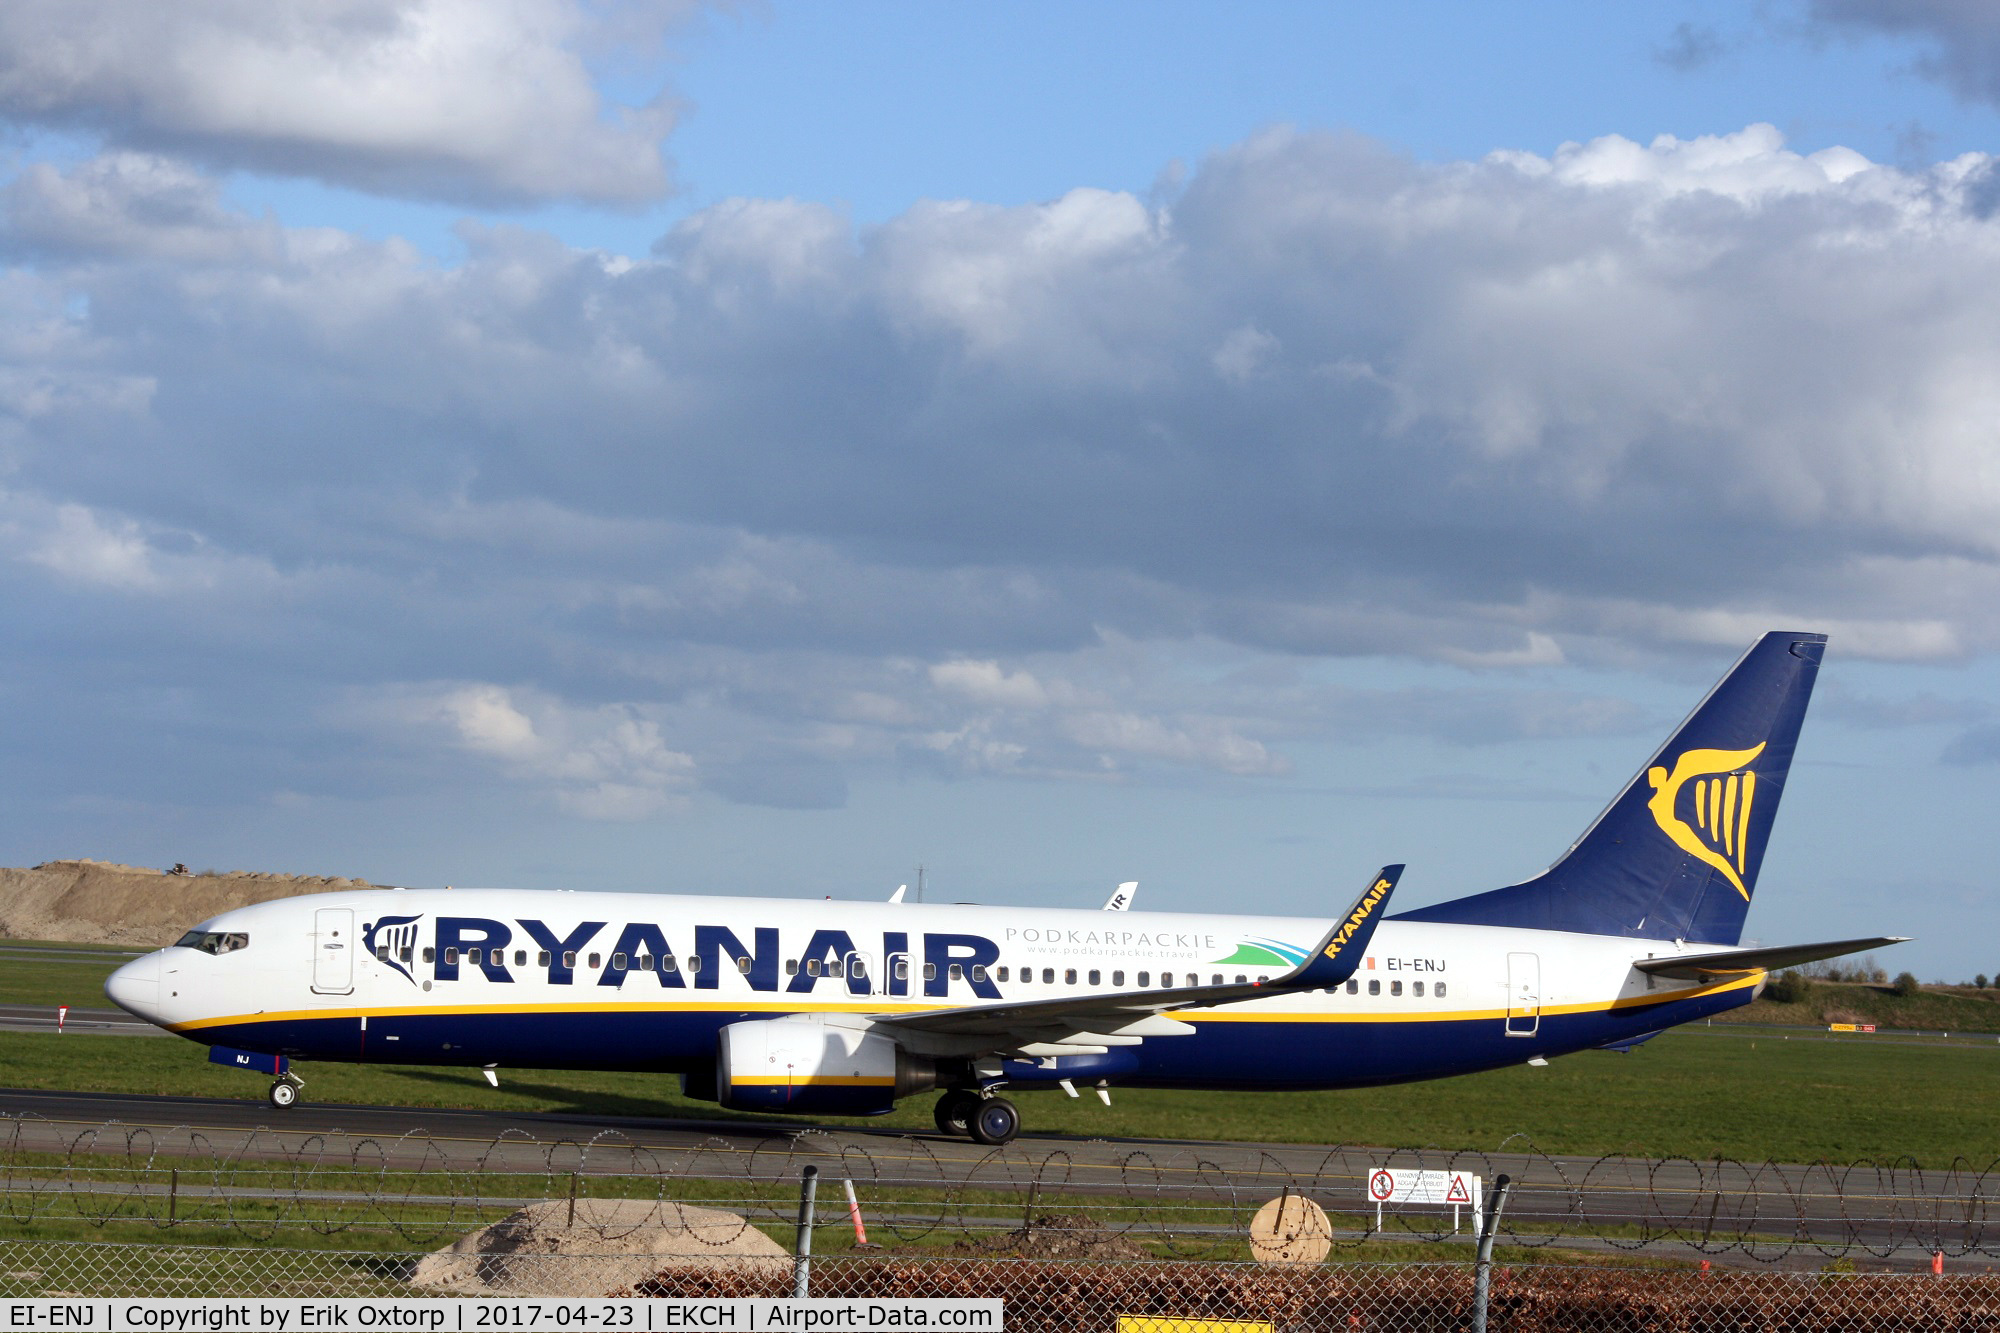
920 881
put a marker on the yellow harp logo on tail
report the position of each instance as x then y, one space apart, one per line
1723 791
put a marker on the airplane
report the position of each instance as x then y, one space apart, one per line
844 1008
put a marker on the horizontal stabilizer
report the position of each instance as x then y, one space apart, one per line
1738 962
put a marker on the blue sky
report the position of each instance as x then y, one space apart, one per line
759 449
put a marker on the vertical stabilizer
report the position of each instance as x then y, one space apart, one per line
1676 855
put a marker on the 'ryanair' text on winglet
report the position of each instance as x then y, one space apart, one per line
1339 954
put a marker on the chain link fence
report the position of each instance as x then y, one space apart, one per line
1077 1296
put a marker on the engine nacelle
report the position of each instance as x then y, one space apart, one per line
789 1065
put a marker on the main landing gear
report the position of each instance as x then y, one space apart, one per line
989 1120
284 1093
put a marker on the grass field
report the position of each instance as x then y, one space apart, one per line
1697 1092
1949 1009
40 972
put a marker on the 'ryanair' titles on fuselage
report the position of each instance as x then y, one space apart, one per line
481 944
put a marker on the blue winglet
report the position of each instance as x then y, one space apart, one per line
1340 953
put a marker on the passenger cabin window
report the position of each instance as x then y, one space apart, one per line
406 953
520 958
902 969
596 959
743 964
791 967
542 958
1353 986
569 958
1241 979
1395 988
1096 977
1118 978
978 972
694 964
957 973
669 963
472 956
812 967
617 962
1417 989
450 957
214 941
1166 981
1374 988
1145 978
1003 974
1069 976
644 962
381 953
1048 976
858 967
430 954
833 967
930 971
1438 990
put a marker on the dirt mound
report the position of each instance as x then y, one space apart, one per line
614 1245
98 902
1057 1236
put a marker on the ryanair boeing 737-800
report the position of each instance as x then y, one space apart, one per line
842 1008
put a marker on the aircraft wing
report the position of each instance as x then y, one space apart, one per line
1077 1024
1740 962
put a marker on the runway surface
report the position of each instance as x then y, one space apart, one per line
99 1022
1804 1212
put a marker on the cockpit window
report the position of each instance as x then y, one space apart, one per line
214 941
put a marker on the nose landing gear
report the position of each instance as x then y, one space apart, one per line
989 1120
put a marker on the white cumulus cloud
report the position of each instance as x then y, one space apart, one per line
466 100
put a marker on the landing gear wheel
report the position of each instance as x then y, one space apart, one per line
995 1121
284 1095
954 1112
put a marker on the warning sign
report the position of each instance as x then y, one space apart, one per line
1438 1189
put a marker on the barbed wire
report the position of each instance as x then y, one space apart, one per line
1192 1201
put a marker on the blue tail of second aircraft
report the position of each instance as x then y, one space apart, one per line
1676 855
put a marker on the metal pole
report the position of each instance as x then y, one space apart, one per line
173 1195
1482 1269
802 1247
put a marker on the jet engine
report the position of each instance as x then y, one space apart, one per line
788 1064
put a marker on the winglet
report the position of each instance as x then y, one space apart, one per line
1340 953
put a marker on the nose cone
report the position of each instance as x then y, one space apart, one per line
135 987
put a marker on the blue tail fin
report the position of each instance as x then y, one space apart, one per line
1676 855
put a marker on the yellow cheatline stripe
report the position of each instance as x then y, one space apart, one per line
1468 1015
605 1007
778 1007
817 1080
